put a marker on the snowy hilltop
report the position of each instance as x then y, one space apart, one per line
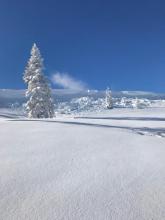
74 102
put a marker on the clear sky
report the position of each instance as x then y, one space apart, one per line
117 43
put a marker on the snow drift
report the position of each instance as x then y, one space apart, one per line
92 164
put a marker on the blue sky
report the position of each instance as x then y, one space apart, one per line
100 43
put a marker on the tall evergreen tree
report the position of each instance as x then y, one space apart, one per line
108 99
40 103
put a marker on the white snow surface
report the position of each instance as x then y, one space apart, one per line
107 165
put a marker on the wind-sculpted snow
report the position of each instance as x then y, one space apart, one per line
96 165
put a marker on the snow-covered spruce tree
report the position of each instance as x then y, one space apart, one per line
40 103
108 99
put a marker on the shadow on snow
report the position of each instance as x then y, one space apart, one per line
139 130
125 118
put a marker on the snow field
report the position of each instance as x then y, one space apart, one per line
83 168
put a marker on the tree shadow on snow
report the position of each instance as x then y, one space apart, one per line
125 118
160 132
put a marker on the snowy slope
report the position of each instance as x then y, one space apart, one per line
95 166
9 97
76 102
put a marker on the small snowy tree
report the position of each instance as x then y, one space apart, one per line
40 103
108 99
140 103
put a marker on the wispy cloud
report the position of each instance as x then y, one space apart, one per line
68 82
